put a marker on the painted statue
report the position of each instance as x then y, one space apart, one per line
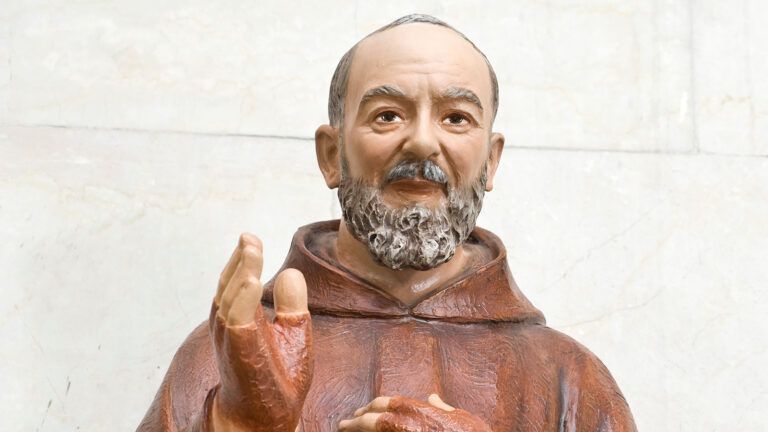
402 316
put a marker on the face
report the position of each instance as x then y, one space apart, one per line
417 92
417 151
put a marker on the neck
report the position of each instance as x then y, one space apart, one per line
406 285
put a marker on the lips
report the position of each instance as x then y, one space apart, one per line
416 186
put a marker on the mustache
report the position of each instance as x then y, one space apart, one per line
411 169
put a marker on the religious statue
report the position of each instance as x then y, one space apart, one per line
402 316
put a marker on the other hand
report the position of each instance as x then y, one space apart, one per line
401 414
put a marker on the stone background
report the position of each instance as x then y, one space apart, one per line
138 138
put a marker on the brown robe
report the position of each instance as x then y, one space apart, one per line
479 344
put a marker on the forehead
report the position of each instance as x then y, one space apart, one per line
413 53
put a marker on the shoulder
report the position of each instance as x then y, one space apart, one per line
194 365
565 352
540 338
190 376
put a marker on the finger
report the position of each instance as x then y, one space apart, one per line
226 274
244 306
436 402
404 405
250 267
234 260
250 241
364 423
290 293
292 326
378 405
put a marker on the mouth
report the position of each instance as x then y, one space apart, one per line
417 187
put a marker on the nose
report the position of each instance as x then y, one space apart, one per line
422 142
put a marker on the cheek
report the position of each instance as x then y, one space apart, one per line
467 154
369 153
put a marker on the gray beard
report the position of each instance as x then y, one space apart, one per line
414 236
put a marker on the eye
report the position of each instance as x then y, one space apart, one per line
456 119
387 117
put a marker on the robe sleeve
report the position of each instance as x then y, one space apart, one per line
183 402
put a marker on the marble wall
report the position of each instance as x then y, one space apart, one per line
138 138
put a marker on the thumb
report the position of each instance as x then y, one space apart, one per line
290 293
436 402
293 328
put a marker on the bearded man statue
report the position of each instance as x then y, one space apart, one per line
401 316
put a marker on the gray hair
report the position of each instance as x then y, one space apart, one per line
340 78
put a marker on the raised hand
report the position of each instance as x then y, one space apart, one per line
401 414
264 365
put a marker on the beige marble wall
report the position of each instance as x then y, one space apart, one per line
137 139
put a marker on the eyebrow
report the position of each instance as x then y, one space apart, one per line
461 93
382 90
451 93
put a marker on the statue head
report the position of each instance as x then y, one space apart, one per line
410 144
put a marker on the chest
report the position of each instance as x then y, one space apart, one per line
473 366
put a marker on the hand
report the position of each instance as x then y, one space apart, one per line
265 367
400 414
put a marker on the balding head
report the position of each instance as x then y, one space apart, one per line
410 145
339 82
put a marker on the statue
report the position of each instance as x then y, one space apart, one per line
403 316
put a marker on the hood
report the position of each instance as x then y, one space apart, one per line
483 293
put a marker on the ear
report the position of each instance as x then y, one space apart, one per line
494 157
328 154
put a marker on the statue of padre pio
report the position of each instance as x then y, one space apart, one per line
401 316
